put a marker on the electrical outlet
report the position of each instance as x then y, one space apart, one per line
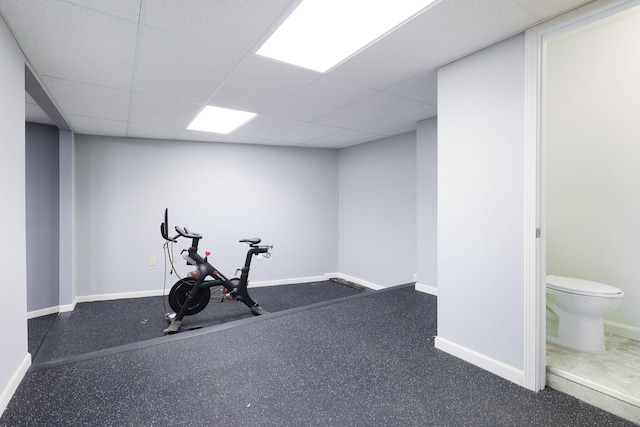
175 258
152 260
415 277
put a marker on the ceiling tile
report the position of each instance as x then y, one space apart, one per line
320 98
344 138
192 135
160 111
127 9
94 126
447 31
307 132
178 67
374 107
143 67
545 8
75 43
267 126
396 123
235 139
138 130
89 100
422 87
258 83
229 22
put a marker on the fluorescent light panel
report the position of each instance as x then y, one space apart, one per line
322 33
220 120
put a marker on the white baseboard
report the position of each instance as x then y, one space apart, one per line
14 382
68 307
308 279
52 310
428 289
487 363
293 281
353 279
43 312
121 295
622 330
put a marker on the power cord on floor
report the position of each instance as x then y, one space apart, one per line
168 254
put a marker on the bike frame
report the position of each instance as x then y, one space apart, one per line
236 287
205 269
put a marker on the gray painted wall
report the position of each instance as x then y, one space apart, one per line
13 270
67 240
378 210
481 203
42 193
427 202
226 192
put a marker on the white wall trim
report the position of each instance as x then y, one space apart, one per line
583 15
14 382
43 312
428 289
353 279
292 281
622 330
534 299
121 295
494 366
68 307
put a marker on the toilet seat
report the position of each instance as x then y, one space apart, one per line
582 287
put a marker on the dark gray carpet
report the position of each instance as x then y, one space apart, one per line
38 328
365 361
104 324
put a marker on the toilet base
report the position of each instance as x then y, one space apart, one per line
582 333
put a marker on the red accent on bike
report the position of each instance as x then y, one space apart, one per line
227 295
207 253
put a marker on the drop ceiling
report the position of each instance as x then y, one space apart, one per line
145 68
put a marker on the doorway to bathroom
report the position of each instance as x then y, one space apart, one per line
589 170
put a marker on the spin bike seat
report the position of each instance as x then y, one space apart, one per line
254 241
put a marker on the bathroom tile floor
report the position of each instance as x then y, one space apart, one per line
609 380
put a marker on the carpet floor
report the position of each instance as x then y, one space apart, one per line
363 360
99 325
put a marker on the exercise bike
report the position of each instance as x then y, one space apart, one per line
190 295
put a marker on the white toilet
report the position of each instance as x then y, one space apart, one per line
574 312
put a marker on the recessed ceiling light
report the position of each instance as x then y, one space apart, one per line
219 120
320 34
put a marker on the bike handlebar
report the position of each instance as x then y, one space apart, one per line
186 233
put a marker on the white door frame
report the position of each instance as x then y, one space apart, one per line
534 148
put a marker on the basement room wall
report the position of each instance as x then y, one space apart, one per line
42 189
427 204
378 211
14 357
481 208
226 192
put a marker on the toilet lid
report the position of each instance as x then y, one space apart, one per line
579 286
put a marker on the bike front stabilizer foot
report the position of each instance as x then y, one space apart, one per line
174 327
257 310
